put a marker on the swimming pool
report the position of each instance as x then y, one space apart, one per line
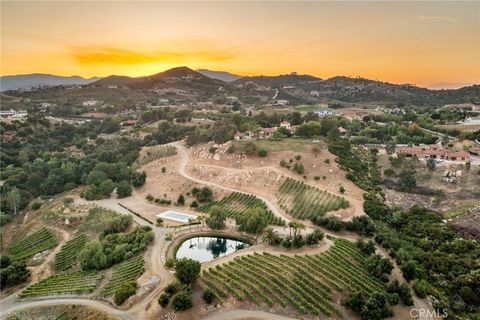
176 216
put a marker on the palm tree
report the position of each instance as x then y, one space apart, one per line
269 235
296 225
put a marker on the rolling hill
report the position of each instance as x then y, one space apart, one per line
27 81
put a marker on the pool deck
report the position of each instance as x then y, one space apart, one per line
176 216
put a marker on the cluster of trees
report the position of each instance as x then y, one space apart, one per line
378 304
114 248
12 272
179 292
252 221
104 177
362 225
38 161
295 239
202 195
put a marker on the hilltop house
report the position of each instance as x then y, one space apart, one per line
434 151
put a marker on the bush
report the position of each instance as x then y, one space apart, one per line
36 205
262 153
208 295
163 300
298 168
170 263
194 204
172 288
149 197
181 200
187 270
341 189
327 161
182 301
139 179
298 157
421 287
125 291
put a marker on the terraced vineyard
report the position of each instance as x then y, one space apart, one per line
96 220
67 257
38 241
305 282
127 271
235 204
305 202
153 153
64 283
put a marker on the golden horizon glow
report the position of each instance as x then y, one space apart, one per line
410 42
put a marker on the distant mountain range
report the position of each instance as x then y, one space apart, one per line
27 81
185 84
219 75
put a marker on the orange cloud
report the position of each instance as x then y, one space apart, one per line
116 56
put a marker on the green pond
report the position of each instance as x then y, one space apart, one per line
205 249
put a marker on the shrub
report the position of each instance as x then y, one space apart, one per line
181 200
172 288
389 172
139 179
298 157
341 189
182 301
421 287
159 222
262 153
170 263
125 291
194 204
284 163
36 205
327 161
316 178
149 197
164 169
163 300
208 295
298 168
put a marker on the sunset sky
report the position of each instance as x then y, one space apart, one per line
407 42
